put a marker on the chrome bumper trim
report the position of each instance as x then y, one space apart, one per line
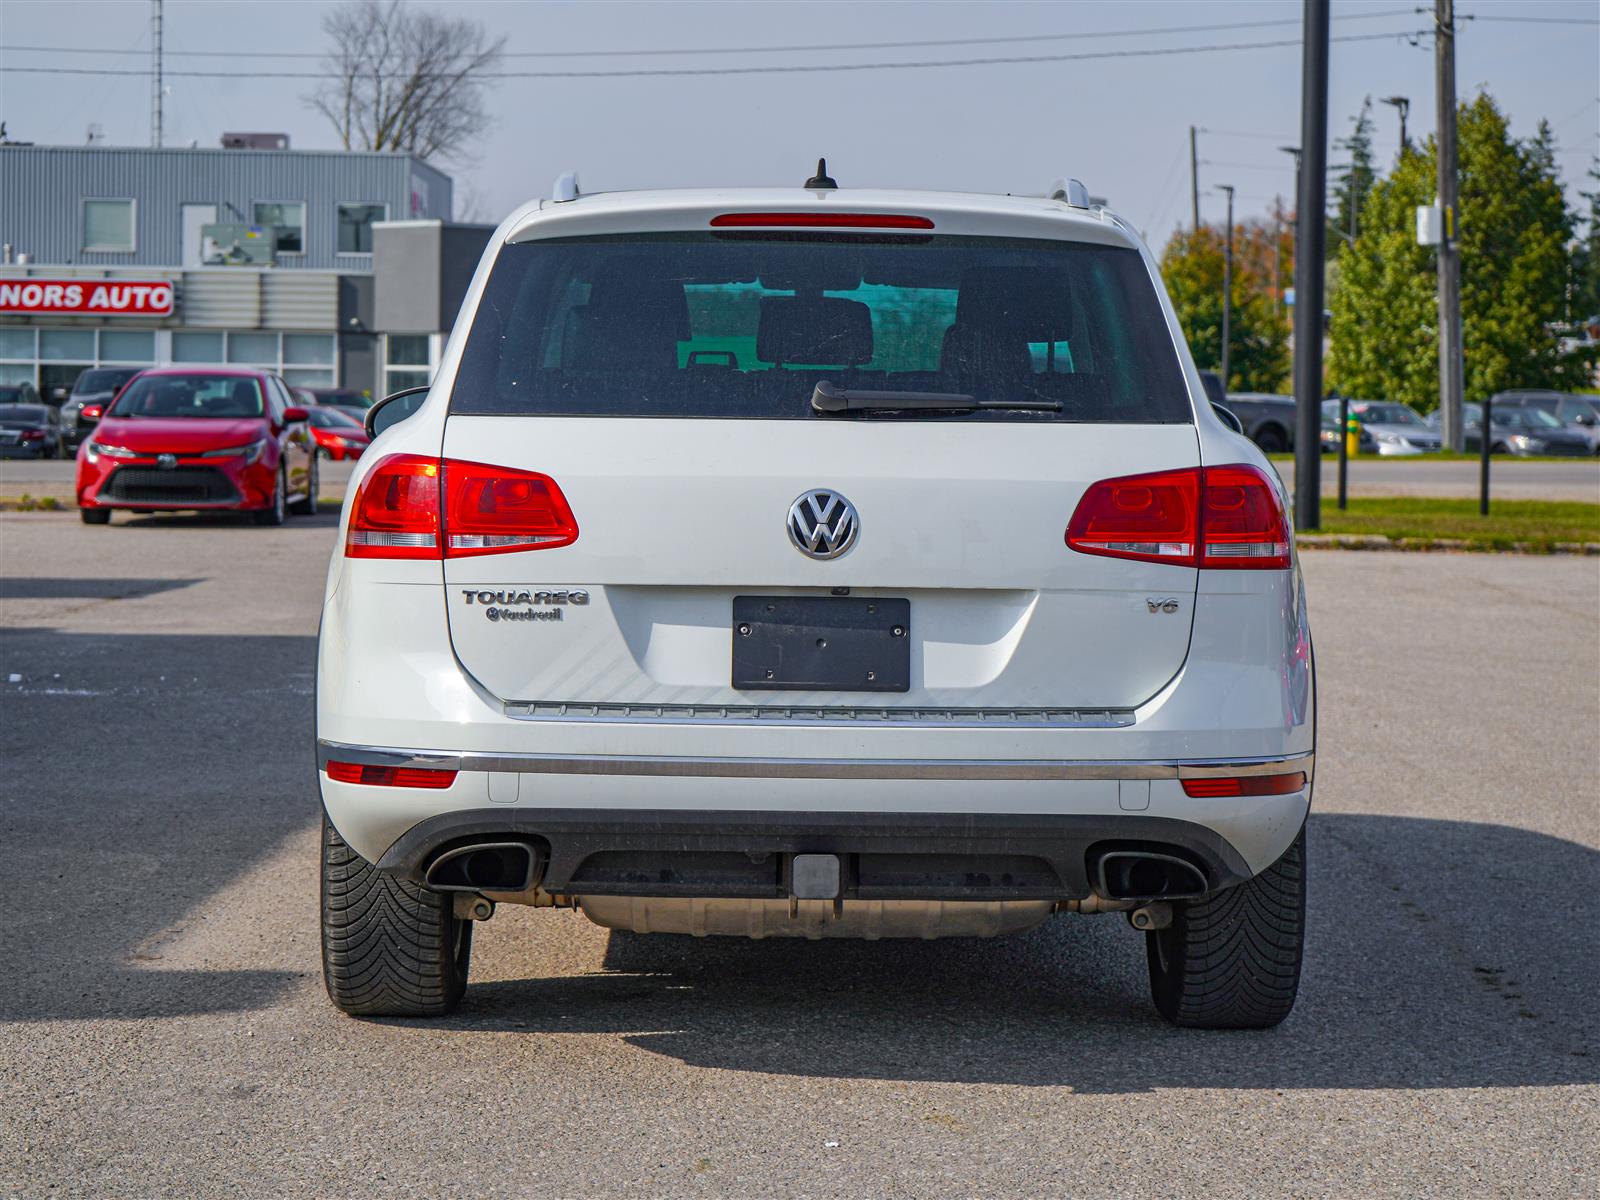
813 768
855 716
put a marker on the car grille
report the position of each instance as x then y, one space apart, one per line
1566 449
182 485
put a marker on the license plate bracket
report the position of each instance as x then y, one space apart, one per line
821 643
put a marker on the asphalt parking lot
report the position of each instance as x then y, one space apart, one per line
165 1033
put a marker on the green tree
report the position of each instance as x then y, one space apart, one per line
1513 230
1354 186
1191 265
1584 287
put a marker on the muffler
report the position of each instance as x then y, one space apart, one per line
1145 875
486 867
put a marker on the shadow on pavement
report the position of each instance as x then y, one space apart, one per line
159 770
327 517
1440 956
37 588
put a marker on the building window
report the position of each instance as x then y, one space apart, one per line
108 225
66 345
127 345
406 362
308 349
355 226
254 349
192 346
291 222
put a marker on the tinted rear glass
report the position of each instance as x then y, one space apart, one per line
731 325
189 396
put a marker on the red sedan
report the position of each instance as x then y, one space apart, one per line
337 433
212 438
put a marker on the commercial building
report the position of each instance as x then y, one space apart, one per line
265 257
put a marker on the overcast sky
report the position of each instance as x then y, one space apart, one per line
1120 124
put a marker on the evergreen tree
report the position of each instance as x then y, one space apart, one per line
1584 286
1350 191
1512 229
1191 265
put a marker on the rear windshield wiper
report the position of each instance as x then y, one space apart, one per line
830 399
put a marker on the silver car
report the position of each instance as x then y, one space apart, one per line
1395 429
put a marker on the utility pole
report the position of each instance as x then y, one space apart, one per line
1194 179
1402 104
1277 247
1227 288
1450 365
155 73
1310 243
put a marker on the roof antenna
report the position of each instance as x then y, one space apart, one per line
821 179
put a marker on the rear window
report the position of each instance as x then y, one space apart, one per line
102 381
735 325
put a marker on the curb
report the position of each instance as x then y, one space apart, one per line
1342 541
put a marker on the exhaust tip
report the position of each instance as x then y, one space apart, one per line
486 867
1147 875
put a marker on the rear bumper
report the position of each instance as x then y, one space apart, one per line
885 856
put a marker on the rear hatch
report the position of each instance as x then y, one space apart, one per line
657 392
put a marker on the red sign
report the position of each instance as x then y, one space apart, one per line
86 297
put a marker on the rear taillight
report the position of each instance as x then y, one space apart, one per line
485 510
1225 516
1245 785
490 510
396 510
33 435
412 777
91 412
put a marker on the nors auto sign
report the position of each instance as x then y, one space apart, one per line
85 297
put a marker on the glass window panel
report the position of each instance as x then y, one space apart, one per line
127 346
67 345
308 378
108 224
16 343
197 347
292 221
259 348
396 381
308 348
408 350
355 226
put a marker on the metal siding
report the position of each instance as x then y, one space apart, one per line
42 189
222 299
299 300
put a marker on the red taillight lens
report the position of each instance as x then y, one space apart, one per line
396 512
486 510
1154 518
1245 785
1241 522
825 220
412 777
1225 516
92 411
490 510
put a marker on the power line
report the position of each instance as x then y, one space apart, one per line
761 70
1534 20
970 41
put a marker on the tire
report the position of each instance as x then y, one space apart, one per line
278 511
308 506
1271 439
390 947
95 516
1232 960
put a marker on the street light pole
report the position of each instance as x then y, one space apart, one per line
1227 289
1194 180
1312 223
1401 104
1454 436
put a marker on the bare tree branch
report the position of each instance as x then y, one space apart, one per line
404 79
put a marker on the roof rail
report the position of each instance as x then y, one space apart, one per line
1070 190
566 187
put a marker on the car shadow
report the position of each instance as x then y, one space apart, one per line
1441 954
327 517
38 588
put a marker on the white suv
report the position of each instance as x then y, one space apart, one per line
822 563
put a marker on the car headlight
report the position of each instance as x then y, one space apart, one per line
1388 439
98 448
1523 442
249 453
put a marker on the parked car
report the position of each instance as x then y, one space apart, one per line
352 401
91 392
1332 435
212 438
1580 414
879 624
1268 419
1395 429
338 435
28 430
1522 432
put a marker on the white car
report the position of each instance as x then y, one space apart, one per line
816 562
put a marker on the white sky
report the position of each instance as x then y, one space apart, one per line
1121 125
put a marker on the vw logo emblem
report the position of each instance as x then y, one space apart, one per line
166 461
823 524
